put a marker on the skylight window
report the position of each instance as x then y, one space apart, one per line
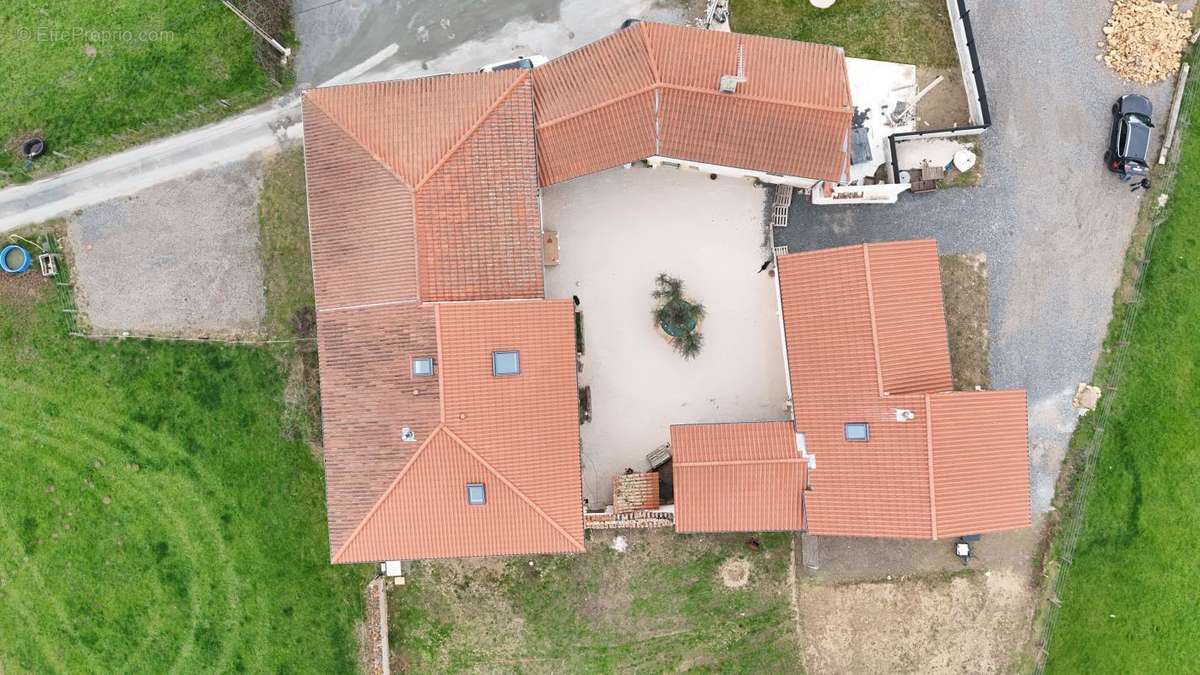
506 363
857 431
422 367
475 494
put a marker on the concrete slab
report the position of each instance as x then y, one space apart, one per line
617 230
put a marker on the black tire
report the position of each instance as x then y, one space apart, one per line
33 148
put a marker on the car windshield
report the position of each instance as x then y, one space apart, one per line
512 65
1136 139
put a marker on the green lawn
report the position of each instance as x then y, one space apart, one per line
154 519
1130 603
660 606
93 77
908 31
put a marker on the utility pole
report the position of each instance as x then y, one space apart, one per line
284 52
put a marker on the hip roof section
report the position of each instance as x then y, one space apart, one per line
517 435
423 190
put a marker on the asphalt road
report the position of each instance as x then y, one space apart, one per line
342 41
1053 222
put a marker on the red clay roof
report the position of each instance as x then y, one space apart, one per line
652 89
517 435
865 338
739 477
400 206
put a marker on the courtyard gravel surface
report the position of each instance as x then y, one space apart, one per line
180 258
1052 221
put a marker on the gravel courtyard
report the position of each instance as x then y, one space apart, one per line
618 230
172 260
1053 223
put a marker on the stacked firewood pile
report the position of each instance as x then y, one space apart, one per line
1145 39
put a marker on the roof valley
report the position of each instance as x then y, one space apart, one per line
466 136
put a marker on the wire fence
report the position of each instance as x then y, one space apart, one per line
1072 525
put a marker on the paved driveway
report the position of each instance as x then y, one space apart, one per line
1053 223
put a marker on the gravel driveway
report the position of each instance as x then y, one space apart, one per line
1052 221
180 258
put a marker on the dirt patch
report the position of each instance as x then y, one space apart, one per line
969 622
22 291
370 661
964 291
945 106
735 573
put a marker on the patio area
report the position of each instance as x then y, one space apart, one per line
618 230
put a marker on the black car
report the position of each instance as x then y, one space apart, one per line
1129 142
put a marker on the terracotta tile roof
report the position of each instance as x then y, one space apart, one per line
361 220
517 435
368 395
411 126
652 89
739 477
478 224
400 209
980 449
862 319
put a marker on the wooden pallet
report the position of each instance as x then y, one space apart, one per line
779 209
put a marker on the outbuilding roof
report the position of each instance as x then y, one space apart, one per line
737 477
896 452
866 344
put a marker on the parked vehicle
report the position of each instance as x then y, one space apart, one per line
1129 142
630 22
526 62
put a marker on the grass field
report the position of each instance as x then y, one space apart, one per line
154 517
1130 602
661 606
93 77
908 31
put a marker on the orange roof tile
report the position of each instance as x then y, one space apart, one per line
361 220
478 223
859 322
400 209
517 435
368 396
652 89
739 477
980 454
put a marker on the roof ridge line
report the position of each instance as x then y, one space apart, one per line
762 99
742 462
369 305
871 312
379 502
471 131
929 456
437 336
509 484
333 118
593 108
645 32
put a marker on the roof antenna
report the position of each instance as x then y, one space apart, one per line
729 83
